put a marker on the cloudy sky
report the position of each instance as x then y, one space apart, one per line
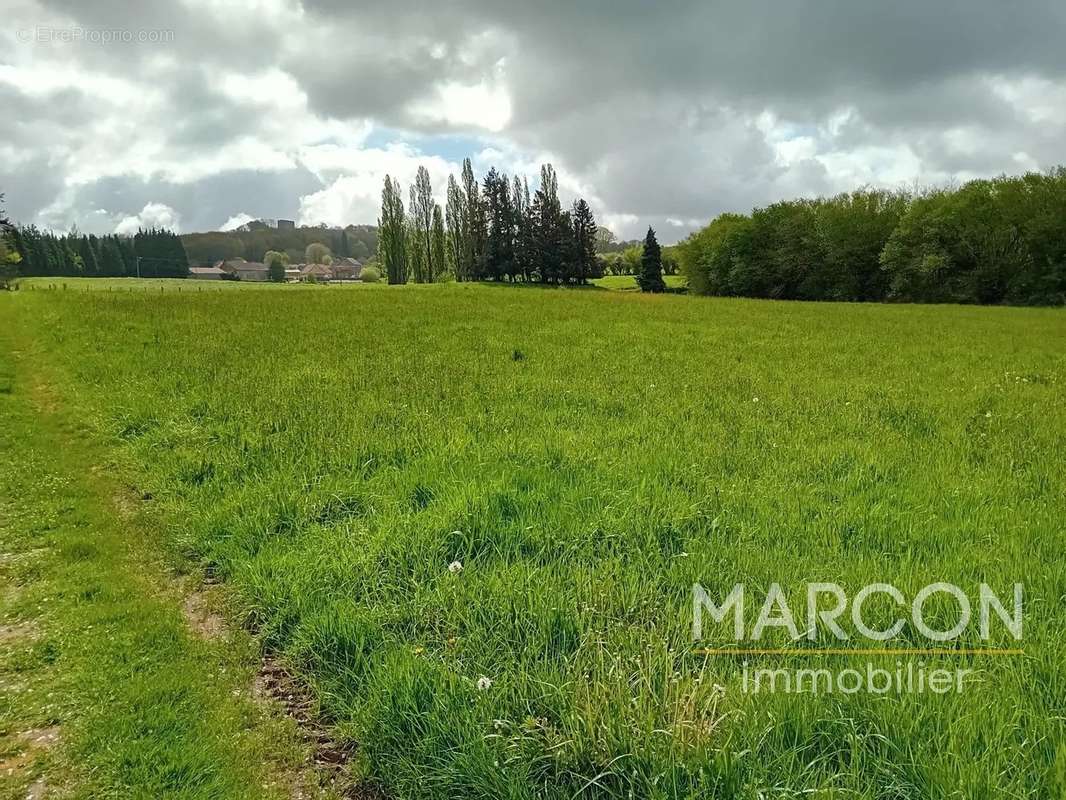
200 114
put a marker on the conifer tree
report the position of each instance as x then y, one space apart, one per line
584 242
340 245
111 258
89 265
650 277
276 262
498 261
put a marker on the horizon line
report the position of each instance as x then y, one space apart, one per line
901 651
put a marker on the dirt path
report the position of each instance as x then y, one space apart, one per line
118 678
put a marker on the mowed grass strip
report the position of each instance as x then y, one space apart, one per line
105 692
587 456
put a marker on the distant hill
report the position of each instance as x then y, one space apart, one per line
253 239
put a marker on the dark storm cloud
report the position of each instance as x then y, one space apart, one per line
363 83
782 51
616 89
30 121
207 203
659 111
243 39
28 186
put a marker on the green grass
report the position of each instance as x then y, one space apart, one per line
588 456
149 285
629 283
105 694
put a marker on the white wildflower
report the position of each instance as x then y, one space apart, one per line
483 683
455 566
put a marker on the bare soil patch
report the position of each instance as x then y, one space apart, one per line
201 617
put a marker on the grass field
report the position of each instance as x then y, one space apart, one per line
147 285
104 690
152 285
588 456
629 283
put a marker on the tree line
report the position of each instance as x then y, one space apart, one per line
253 240
998 241
9 256
628 259
43 253
489 230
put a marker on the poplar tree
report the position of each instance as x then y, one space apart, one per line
392 232
548 228
416 251
453 218
525 257
438 245
422 215
473 222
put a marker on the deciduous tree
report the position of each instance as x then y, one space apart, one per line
276 262
318 253
454 214
472 222
422 205
438 243
392 236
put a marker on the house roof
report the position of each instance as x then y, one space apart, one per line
206 270
315 269
234 264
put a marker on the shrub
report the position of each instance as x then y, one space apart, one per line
370 275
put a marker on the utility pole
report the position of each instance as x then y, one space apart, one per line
139 259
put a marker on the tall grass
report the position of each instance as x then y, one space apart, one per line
587 456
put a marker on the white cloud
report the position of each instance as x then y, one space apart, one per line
624 226
1042 101
480 105
887 165
236 221
153 215
355 196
